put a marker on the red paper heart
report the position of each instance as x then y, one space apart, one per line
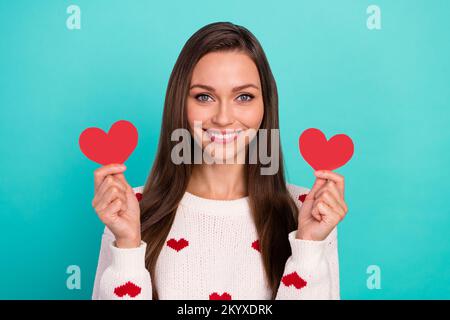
223 296
322 154
112 147
293 279
177 244
128 288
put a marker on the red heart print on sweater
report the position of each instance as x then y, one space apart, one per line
322 154
223 296
302 197
128 288
177 244
293 279
255 245
112 147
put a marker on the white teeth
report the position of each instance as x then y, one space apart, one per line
220 136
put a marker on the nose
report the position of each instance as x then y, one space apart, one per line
223 116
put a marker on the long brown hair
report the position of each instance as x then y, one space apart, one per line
274 211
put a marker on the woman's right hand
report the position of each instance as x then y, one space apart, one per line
117 206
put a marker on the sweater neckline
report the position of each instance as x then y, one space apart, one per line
216 207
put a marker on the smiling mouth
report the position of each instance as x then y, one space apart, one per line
223 136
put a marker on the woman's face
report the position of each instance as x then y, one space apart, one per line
225 97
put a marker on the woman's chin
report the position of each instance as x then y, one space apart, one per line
223 153
223 158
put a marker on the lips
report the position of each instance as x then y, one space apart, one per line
223 136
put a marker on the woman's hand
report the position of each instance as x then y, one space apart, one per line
323 208
117 206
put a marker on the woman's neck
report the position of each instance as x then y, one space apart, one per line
218 181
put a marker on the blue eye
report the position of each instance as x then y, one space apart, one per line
247 97
202 97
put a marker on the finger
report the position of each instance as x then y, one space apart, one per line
110 195
315 212
124 182
108 213
102 172
307 205
331 187
319 183
329 199
108 182
103 205
328 212
337 178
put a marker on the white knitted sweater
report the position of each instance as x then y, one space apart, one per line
212 252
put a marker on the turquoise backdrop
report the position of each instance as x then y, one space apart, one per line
387 89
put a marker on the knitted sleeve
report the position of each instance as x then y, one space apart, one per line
121 273
312 270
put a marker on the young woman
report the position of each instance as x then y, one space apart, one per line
218 230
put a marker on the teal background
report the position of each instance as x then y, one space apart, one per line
387 89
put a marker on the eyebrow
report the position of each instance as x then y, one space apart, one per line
203 86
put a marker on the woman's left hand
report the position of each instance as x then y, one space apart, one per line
323 208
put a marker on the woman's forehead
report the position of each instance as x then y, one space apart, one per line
227 69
